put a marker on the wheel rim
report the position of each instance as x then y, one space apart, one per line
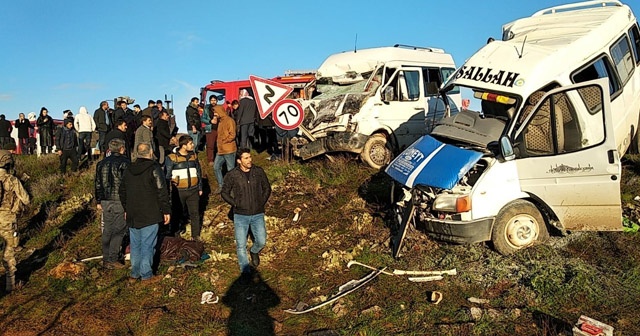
379 154
521 231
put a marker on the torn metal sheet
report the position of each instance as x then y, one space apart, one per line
432 163
343 290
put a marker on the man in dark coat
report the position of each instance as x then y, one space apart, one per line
246 188
23 125
145 198
194 121
109 173
246 116
67 146
162 133
120 132
102 117
5 131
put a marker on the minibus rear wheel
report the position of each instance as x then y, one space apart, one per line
518 225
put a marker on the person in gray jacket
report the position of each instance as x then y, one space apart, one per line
144 134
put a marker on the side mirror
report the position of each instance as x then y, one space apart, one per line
506 149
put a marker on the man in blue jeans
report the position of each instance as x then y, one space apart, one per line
145 199
247 189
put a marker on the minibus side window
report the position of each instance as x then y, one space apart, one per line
635 42
601 68
562 124
621 53
446 73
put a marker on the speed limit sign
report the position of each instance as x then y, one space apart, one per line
288 114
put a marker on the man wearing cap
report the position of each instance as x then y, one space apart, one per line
14 197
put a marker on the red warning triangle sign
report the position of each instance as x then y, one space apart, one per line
268 93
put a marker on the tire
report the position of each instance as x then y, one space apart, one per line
517 226
634 147
376 152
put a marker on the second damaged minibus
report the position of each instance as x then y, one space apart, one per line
558 102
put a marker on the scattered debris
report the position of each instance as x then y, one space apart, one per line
343 290
67 269
209 297
172 292
434 297
219 256
637 198
427 275
587 326
476 300
296 215
88 259
375 310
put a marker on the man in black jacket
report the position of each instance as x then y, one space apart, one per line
23 125
120 132
194 121
246 117
109 173
145 198
247 189
162 134
67 146
5 131
102 118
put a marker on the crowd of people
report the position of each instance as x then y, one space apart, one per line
160 183
147 176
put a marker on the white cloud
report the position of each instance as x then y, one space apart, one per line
6 97
186 41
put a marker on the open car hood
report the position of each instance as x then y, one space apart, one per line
471 128
433 163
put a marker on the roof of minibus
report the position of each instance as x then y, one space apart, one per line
545 47
364 60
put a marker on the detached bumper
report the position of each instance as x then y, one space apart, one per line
337 142
458 232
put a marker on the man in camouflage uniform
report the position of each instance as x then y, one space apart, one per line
13 197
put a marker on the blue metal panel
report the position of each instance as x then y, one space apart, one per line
433 163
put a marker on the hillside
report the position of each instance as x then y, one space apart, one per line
342 206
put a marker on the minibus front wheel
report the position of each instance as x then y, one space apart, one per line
518 225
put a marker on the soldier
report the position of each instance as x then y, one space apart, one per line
13 197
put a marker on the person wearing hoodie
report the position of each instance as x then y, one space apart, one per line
45 128
226 145
85 125
145 198
67 146
5 131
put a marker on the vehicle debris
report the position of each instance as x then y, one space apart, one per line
434 297
343 290
452 271
587 326
209 297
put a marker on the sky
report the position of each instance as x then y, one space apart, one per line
65 54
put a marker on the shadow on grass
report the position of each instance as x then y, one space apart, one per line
551 325
39 257
249 299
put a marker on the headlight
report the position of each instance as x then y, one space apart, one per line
452 203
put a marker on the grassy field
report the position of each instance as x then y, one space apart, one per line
342 205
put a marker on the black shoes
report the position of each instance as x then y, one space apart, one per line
255 259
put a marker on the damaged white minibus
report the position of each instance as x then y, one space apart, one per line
559 102
375 102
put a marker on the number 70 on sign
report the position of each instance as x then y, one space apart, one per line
288 114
